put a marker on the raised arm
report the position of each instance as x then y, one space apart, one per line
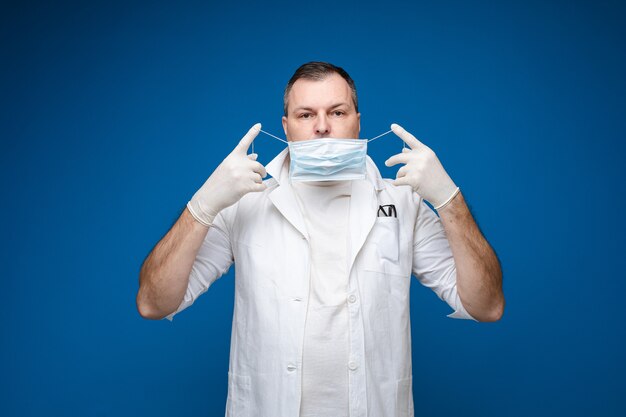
164 276
478 273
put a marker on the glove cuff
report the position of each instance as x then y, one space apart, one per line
445 203
197 215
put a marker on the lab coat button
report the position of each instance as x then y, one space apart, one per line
352 298
291 367
352 365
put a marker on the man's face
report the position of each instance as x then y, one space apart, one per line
321 109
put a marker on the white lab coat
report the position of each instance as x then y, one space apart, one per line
264 234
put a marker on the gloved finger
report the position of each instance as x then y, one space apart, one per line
258 187
256 177
259 169
244 143
408 138
400 158
252 156
401 181
402 172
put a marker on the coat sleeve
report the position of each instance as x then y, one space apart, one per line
213 260
433 263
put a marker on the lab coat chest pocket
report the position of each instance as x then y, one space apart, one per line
380 263
384 237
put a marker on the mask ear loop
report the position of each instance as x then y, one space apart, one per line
275 137
268 134
379 136
284 141
386 133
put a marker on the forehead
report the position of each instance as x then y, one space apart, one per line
327 92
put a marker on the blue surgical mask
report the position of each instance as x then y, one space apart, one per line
327 159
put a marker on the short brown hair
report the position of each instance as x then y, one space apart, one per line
318 71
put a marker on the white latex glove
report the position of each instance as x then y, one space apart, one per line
422 170
237 175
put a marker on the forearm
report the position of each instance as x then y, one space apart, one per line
479 276
164 276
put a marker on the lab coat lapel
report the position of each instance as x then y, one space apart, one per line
283 196
363 207
363 204
284 200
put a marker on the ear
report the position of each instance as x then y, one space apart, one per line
284 120
358 118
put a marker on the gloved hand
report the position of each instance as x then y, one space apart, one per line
235 177
422 170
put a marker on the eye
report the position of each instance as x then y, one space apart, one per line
305 115
338 113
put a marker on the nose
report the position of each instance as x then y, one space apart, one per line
322 127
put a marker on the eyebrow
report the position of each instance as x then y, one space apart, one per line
334 106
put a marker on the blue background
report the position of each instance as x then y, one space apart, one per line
114 114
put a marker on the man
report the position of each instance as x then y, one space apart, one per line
321 324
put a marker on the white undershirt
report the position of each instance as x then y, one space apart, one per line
325 207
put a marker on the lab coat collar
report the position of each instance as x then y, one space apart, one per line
363 206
